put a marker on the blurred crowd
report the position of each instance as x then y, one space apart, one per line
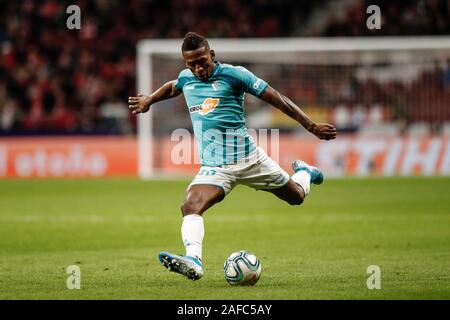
56 80
404 93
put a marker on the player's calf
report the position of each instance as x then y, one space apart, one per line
296 200
291 193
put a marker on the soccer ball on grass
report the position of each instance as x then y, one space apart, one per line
242 268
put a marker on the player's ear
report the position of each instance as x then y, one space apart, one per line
212 54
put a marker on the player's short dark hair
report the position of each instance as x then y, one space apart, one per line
194 41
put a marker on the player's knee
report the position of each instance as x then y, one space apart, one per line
191 206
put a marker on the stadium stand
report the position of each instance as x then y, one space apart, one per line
55 81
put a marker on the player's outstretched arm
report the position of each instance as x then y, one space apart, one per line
141 103
323 131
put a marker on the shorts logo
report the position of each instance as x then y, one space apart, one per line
208 105
205 172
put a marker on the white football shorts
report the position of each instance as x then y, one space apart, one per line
257 170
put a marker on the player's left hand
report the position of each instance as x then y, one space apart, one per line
324 131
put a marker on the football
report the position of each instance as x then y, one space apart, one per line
242 268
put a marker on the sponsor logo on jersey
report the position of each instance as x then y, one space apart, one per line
208 105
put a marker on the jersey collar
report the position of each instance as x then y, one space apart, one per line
215 70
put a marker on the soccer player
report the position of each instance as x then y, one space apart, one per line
214 94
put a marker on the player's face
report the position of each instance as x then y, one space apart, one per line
200 61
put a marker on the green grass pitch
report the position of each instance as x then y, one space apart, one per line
114 229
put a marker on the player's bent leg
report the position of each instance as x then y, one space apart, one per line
298 186
198 199
290 192
266 174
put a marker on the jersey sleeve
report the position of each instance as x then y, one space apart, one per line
181 80
248 82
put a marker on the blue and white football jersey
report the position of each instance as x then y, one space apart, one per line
216 107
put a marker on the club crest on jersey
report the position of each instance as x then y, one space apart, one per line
215 85
208 105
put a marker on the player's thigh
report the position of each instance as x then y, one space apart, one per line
290 192
200 197
263 173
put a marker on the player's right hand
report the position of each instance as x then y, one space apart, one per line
324 131
139 104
